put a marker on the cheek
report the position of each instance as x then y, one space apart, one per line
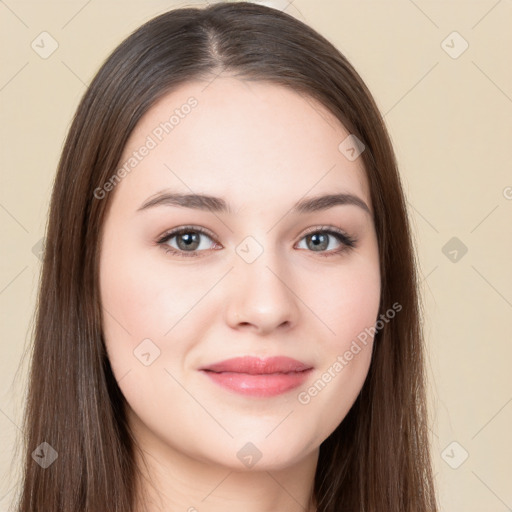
131 295
348 307
141 304
347 300
143 296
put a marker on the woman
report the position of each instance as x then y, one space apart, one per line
228 313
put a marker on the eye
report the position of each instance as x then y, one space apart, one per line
319 240
188 240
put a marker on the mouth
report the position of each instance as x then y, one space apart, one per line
257 377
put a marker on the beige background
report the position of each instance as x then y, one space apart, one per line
450 121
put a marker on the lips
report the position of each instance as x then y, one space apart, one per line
258 377
256 366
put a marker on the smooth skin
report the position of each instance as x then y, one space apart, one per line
261 147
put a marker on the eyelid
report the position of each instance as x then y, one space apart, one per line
330 229
176 231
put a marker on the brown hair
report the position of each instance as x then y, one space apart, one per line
378 457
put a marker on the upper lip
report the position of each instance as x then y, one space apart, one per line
258 366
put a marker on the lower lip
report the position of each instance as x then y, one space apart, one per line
262 385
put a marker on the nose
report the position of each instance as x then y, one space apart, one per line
261 296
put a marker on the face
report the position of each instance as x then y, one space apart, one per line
189 283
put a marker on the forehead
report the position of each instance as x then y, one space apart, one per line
235 138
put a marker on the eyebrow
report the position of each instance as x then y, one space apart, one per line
219 205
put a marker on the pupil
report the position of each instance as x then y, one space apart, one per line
189 239
317 242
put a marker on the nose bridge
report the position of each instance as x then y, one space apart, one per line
262 294
260 268
264 275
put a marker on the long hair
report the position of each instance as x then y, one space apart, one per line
378 458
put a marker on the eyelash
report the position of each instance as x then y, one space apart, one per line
348 242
